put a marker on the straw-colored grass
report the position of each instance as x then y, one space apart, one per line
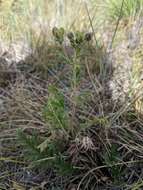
20 19
70 109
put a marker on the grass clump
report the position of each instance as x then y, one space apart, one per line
130 8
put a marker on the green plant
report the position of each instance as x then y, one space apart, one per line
49 151
130 8
111 157
45 153
58 33
55 112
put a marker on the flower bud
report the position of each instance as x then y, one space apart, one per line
88 37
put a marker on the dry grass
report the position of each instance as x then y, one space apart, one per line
81 132
24 19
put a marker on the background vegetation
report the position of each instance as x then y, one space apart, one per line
71 94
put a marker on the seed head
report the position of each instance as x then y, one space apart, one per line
55 31
70 36
79 37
